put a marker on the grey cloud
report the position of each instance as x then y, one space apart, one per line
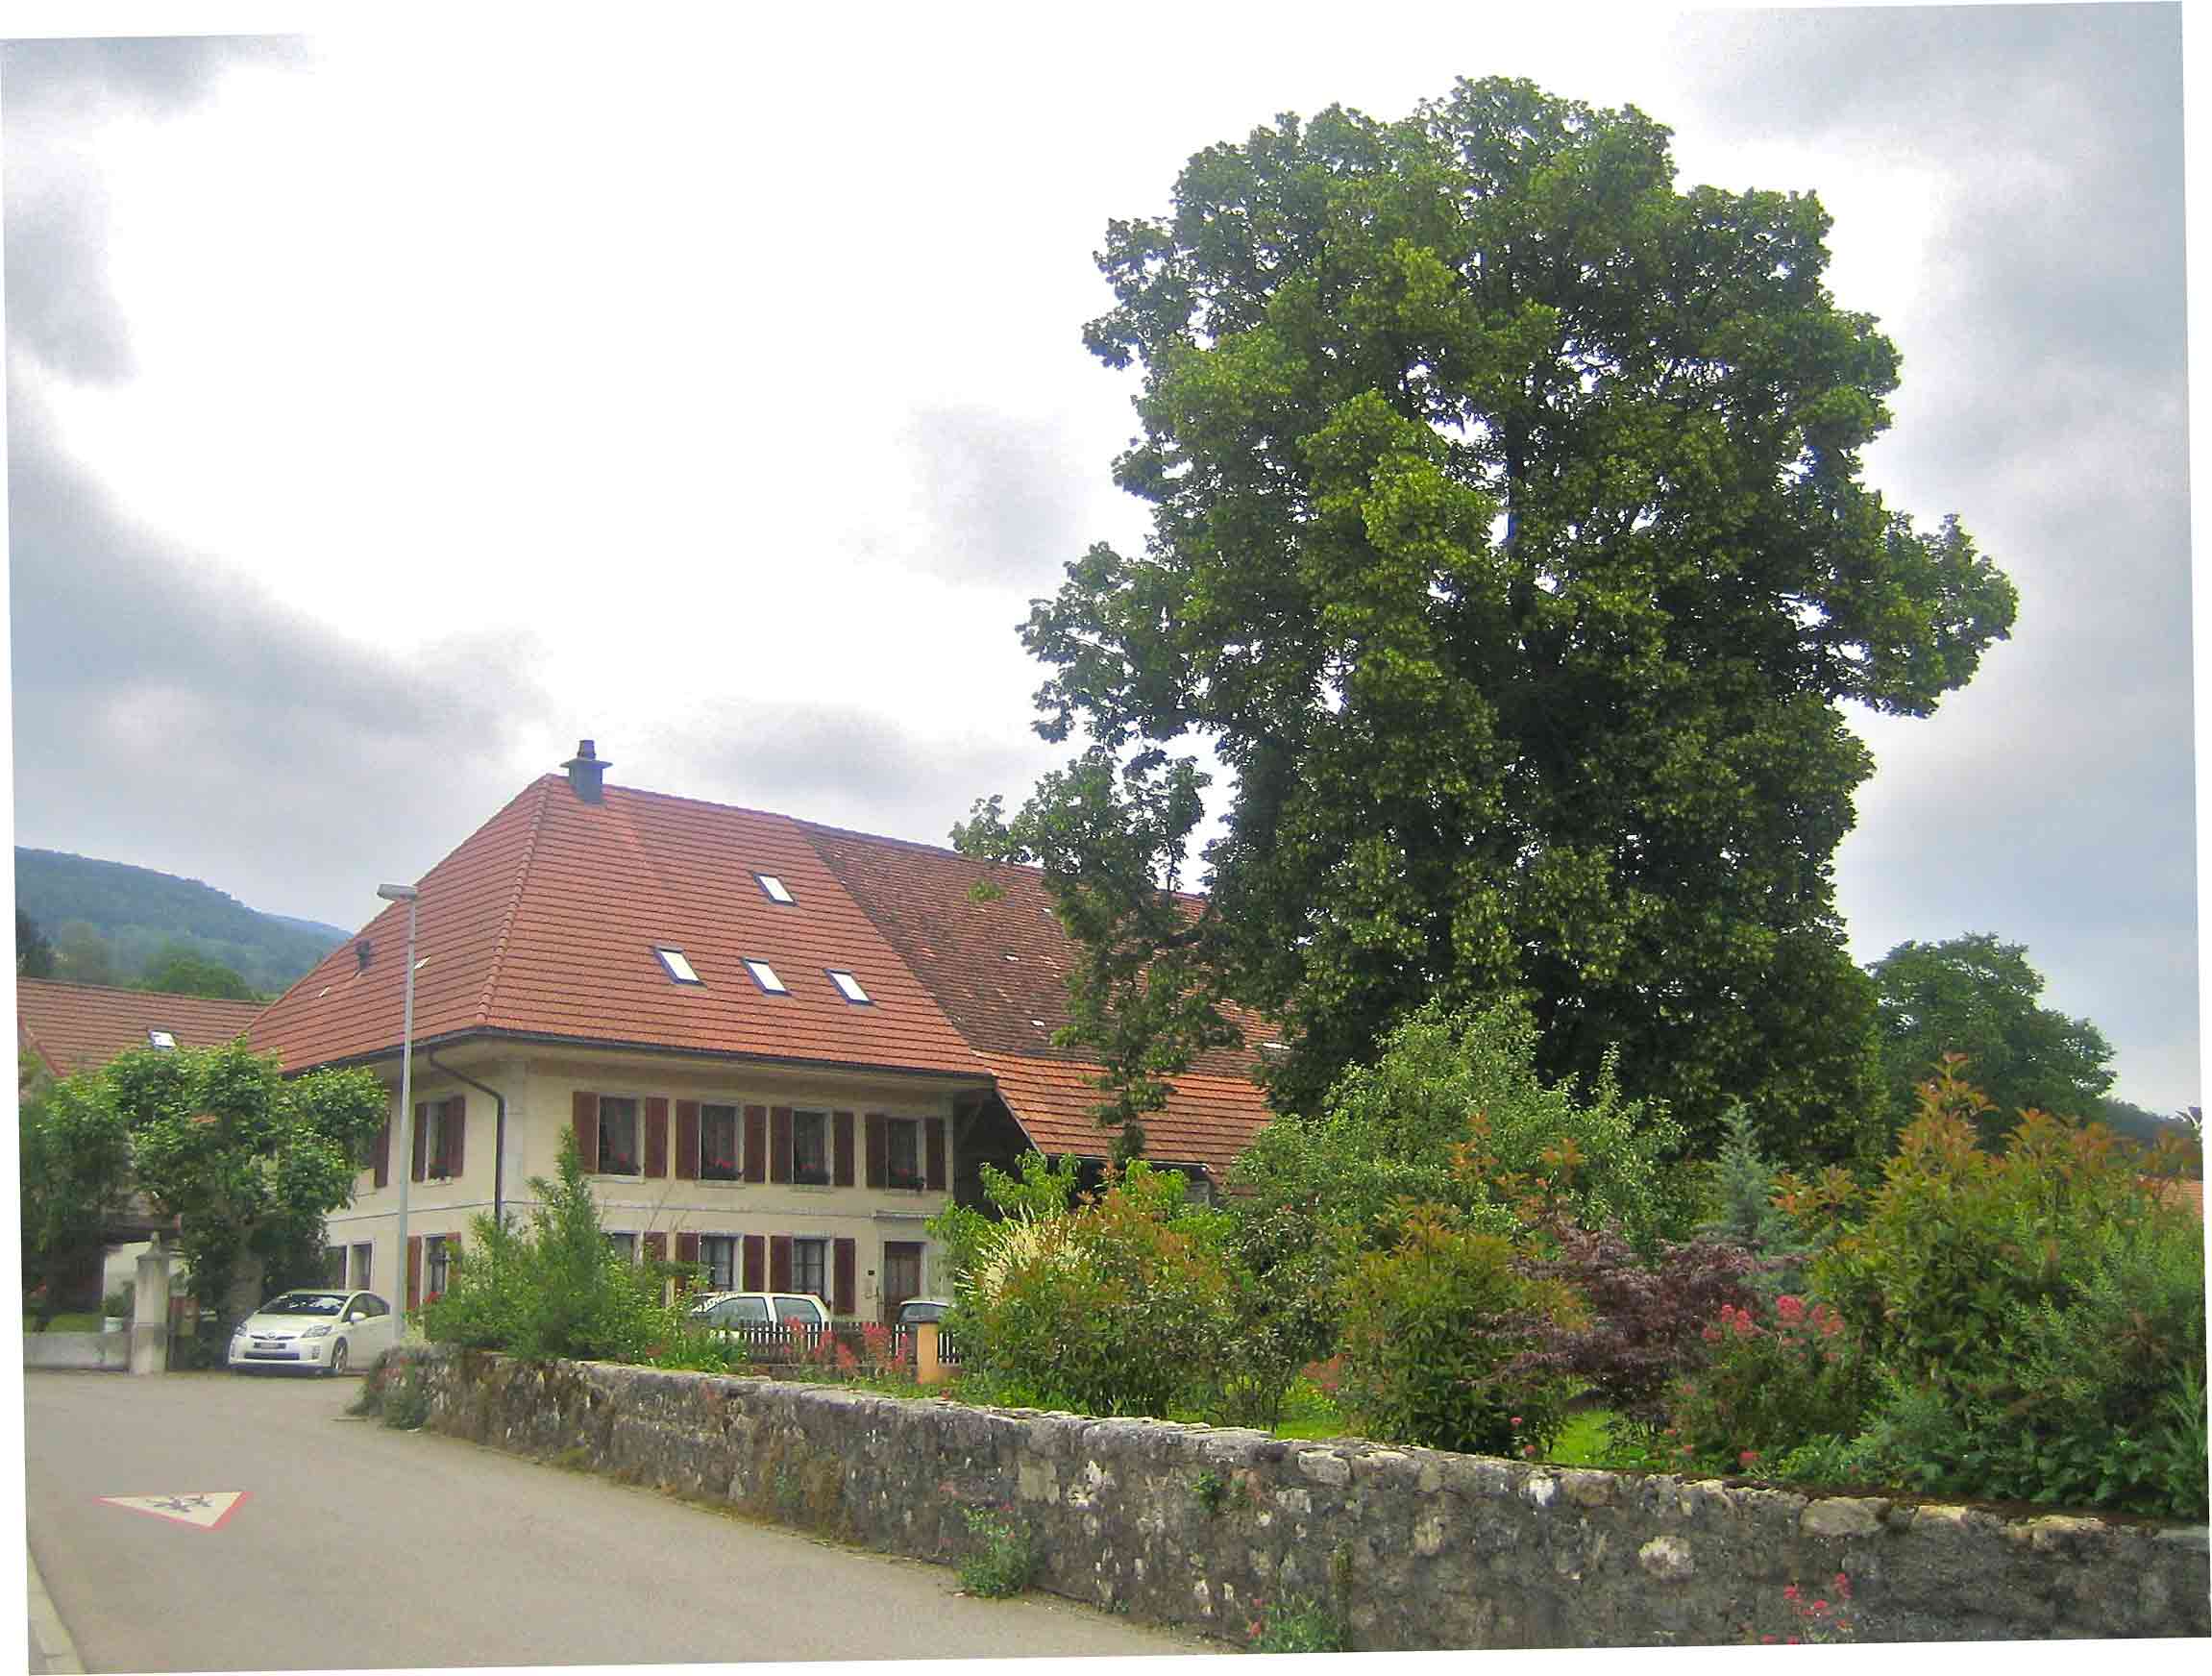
288 763
1005 495
60 311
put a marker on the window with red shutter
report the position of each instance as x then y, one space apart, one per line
456 1135
841 1299
687 1247
779 1144
687 1139
656 1136
756 1264
755 1144
584 1119
780 1263
656 1247
842 1168
876 1168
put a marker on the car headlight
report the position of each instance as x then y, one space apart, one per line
321 1332
237 1332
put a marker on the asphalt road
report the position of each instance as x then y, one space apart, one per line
357 1546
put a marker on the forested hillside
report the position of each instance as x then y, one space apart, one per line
108 921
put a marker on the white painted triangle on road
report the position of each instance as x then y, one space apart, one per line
206 1509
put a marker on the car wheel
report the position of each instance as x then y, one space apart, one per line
338 1364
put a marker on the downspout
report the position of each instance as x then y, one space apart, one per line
500 1137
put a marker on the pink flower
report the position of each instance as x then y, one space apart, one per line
1516 1420
1528 1448
1790 1593
1747 1457
1789 1309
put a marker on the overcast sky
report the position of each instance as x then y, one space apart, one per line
388 409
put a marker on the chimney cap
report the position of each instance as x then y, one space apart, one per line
585 771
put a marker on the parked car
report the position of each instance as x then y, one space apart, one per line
917 1309
326 1331
728 1310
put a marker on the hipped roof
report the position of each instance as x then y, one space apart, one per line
80 1026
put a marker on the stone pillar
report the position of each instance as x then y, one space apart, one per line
150 1311
928 1369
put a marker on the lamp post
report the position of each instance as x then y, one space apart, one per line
402 1132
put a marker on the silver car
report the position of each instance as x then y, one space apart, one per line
325 1332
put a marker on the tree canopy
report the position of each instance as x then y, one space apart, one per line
1509 548
1975 995
178 971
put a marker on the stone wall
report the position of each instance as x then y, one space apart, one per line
108 1351
1413 1548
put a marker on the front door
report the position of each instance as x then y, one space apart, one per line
901 1274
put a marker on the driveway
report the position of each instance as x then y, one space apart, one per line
353 1545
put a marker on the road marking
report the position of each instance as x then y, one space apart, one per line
205 1509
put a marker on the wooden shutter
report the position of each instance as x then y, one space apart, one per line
780 1263
843 1253
381 1154
754 1280
456 1135
878 1172
779 1144
656 1135
933 1143
415 1272
755 1150
687 1247
687 1144
422 1139
841 1169
584 1114
656 1247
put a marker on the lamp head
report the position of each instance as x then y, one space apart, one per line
398 893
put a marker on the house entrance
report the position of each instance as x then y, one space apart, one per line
901 1274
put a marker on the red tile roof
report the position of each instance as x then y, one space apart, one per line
80 1026
543 924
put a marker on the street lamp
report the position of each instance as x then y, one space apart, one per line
402 1132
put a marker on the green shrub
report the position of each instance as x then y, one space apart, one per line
1770 1382
557 1289
405 1404
1432 1328
1297 1624
1002 1563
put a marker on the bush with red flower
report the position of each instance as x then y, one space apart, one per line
1769 1381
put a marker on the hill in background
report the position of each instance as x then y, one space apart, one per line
108 921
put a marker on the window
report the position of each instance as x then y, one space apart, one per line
810 1266
334 1265
437 1266
848 986
810 1149
441 1139
772 888
902 1151
623 1245
718 1153
160 1038
764 975
617 1135
363 1255
679 968
740 1312
718 1253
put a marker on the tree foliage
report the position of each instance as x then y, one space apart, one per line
1977 997
33 954
74 1162
178 971
1508 548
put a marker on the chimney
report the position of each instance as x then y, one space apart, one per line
585 771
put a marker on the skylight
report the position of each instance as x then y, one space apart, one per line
160 1039
679 968
764 975
848 986
774 889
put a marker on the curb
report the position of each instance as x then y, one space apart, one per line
52 1651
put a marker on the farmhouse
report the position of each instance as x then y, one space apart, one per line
781 1047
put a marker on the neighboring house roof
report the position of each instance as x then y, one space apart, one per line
543 923
80 1026
2186 1191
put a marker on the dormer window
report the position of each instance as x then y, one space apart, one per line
677 965
160 1038
774 889
764 975
848 986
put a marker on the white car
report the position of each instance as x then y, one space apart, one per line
323 1331
759 1310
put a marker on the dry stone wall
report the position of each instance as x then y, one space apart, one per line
1413 1548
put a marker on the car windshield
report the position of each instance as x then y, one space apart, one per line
305 1303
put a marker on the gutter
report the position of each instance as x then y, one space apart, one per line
500 1139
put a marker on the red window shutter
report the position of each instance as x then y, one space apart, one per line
878 1172
656 1135
422 1139
841 1174
381 1154
755 1150
933 1144
687 1247
585 1117
754 1280
780 1263
779 1144
415 1272
656 1247
457 1134
843 1253
687 1144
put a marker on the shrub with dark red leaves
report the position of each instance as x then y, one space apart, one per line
1646 1317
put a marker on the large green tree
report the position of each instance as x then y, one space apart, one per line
1508 548
178 971
1977 997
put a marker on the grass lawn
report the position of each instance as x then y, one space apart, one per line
77 1322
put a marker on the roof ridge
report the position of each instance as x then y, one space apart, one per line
124 989
543 786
